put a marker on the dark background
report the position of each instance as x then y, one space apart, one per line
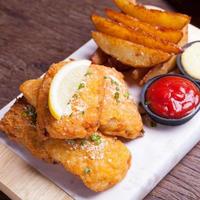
36 33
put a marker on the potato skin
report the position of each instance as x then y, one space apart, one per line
167 66
129 53
165 34
155 17
123 32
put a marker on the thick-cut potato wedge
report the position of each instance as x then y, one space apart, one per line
155 17
138 74
160 69
167 66
161 33
113 62
129 53
111 28
99 57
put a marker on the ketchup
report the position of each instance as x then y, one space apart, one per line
172 97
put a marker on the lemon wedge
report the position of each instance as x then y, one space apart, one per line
64 85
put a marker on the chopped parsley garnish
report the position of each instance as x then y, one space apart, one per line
96 138
88 73
83 142
87 170
71 142
75 96
116 96
81 85
127 95
30 112
117 89
114 82
82 112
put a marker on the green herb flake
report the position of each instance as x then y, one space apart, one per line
88 73
81 85
127 95
83 142
30 112
87 170
114 82
71 142
117 88
98 142
116 96
82 112
96 138
105 77
75 96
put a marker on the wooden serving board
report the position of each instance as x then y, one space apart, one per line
20 181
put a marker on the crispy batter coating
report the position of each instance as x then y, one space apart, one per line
19 124
30 90
99 161
86 105
120 116
119 113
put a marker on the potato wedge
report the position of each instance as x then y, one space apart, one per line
161 33
129 53
139 73
158 70
156 17
123 32
167 66
99 57
113 62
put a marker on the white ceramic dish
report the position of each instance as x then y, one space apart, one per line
154 155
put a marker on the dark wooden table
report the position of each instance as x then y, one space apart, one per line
33 34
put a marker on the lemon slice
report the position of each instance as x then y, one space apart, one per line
64 85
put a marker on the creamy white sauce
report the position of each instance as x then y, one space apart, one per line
190 60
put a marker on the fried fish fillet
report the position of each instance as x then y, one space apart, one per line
120 115
85 104
30 90
19 124
99 161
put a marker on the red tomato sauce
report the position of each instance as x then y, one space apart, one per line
172 97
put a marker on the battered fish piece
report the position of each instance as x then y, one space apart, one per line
120 115
19 124
30 90
85 104
99 161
